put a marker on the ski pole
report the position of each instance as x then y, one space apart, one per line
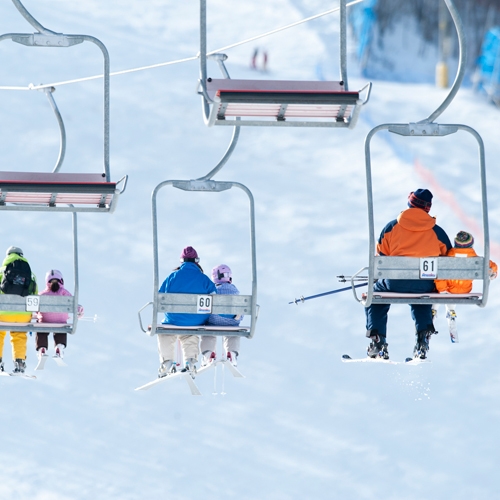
303 299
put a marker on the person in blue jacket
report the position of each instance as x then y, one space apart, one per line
188 278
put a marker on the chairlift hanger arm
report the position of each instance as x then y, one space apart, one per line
48 38
462 47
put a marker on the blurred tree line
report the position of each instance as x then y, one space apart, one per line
477 16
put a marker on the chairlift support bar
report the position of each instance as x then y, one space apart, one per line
48 303
278 103
227 304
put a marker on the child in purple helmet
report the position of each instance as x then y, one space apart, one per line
223 279
54 285
187 278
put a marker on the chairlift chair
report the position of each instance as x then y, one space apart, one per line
189 303
45 303
68 192
275 102
389 267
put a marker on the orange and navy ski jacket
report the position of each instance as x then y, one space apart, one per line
460 286
413 234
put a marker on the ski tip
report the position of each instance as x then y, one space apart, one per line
407 360
346 356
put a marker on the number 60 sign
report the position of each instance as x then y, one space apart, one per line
204 304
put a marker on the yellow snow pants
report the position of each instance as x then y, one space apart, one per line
19 340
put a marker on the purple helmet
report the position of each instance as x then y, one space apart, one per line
222 274
54 274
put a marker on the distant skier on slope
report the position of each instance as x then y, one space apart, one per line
223 279
463 248
413 234
187 278
54 285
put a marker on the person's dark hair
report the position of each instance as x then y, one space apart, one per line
54 285
178 267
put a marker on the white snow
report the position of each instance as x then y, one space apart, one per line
301 424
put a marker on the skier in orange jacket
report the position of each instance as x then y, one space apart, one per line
463 248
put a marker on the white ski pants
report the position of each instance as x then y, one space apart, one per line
209 342
189 345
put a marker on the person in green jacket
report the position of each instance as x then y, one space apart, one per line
16 278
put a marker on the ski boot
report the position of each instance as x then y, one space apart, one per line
2 369
167 367
378 348
422 342
19 366
190 366
59 351
232 357
208 357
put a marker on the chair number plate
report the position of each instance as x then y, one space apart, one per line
428 268
32 303
204 304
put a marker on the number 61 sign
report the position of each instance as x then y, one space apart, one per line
204 304
428 268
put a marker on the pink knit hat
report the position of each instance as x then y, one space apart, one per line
189 254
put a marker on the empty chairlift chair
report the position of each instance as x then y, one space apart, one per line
277 102
55 191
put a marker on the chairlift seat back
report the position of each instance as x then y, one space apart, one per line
48 303
448 268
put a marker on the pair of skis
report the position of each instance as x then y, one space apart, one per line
408 361
189 377
43 359
20 375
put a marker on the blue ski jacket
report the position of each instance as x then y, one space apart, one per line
187 279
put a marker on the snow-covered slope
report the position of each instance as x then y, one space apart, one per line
301 424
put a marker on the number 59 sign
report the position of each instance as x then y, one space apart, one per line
204 304
32 303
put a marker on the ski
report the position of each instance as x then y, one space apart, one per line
409 361
451 318
347 359
41 362
59 361
189 377
159 380
234 371
416 361
20 375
